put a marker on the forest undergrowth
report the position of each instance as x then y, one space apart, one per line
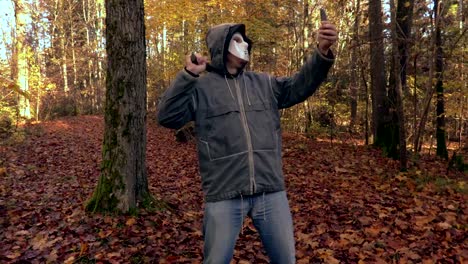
349 203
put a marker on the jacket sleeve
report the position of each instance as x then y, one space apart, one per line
289 91
176 107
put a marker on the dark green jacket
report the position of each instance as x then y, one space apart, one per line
237 121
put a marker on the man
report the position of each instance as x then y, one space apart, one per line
239 138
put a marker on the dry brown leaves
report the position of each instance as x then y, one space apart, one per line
349 204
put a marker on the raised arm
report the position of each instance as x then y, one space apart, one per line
177 104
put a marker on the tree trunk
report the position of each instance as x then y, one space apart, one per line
77 102
21 59
462 122
89 13
37 34
440 111
308 117
64 62
72 42
377 65
461 16
404 20
397 89
354 87
305 31
366 90
99 69
123 181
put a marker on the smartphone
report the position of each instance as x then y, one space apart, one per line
323 14
193 58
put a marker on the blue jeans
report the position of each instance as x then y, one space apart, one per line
271 217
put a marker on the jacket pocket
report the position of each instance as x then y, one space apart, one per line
222 134
263 126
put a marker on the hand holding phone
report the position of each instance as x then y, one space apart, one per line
327 34
197 64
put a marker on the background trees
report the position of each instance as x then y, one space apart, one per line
66 42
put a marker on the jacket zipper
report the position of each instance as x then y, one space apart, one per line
245 124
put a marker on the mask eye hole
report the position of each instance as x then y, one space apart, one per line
237 39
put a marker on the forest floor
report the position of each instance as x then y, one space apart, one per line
349 204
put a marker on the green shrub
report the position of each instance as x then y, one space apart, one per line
7 119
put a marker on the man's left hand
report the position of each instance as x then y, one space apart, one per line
327 36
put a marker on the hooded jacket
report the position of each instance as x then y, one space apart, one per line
237 120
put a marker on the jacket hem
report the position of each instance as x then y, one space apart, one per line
235 194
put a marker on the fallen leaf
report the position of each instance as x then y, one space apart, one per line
52 257
331 260
70 260
130 221
22 233
365 220
412 255
13 255
341 170
444 225
372 231
423 220
83 248
305 260
113 254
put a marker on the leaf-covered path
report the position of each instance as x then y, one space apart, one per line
349 204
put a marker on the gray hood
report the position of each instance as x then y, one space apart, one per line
217 40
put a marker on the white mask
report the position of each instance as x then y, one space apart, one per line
238 47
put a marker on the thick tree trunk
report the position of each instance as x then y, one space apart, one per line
377 66
123 181
440 109
21 58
